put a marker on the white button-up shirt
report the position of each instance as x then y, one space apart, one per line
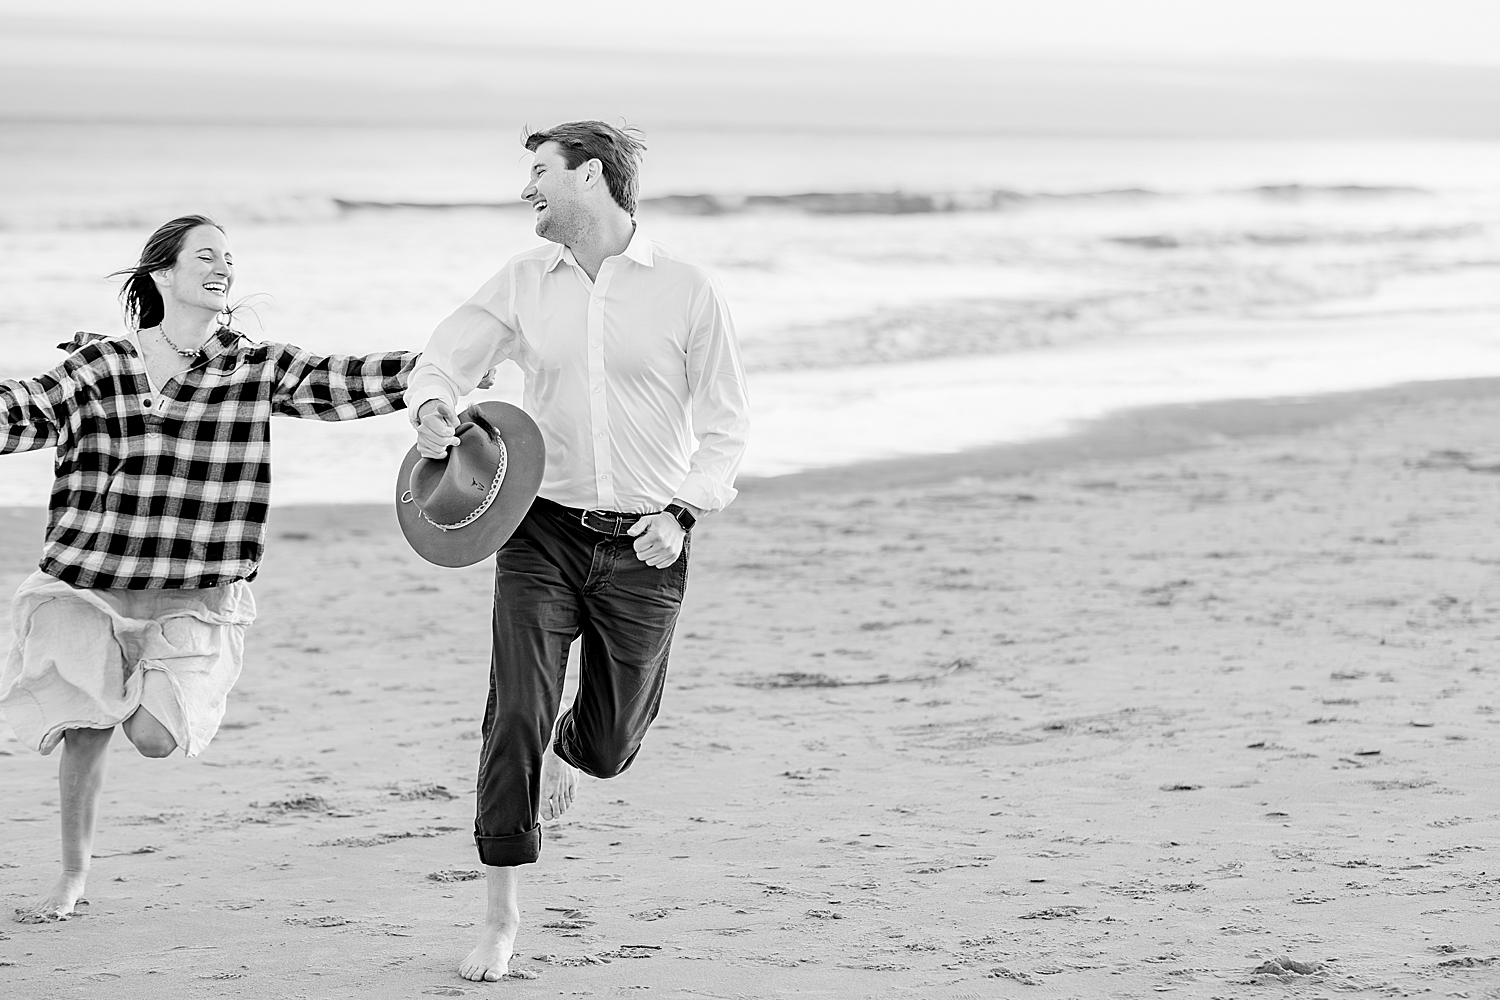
623 373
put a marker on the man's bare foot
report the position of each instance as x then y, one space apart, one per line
559 783
490 959
57 904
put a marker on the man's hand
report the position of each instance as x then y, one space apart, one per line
658 540
435 429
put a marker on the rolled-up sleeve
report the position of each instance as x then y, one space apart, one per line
479 335
32 411
720 403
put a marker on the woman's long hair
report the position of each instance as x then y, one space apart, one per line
140 297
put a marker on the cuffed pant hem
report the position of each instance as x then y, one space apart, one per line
508 852
594 768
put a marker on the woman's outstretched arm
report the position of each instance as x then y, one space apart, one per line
33 411
338 386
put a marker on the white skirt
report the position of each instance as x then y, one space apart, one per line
80 659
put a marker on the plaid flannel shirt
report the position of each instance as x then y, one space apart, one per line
175 495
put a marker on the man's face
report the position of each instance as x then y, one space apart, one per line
554 195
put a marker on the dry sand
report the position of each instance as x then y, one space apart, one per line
1114 728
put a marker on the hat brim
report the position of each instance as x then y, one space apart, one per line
526 456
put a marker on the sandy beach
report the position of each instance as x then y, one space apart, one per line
1200 701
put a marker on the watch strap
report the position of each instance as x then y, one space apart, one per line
681 514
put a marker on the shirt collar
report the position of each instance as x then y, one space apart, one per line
639 250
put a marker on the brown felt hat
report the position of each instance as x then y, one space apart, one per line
458 510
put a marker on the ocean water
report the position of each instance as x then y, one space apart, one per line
894 294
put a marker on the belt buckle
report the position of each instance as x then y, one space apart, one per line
614 531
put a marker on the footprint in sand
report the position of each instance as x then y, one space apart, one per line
423 791
294 803
329 921
568 925
570 961
659 913
1287 968
1053 913
24 916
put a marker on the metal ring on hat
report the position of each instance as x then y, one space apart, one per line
479 512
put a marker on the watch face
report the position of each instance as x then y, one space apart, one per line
682 514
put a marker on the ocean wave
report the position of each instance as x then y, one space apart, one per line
1299 237
1293 192
150 214
809 203
899 202
318 208
983 326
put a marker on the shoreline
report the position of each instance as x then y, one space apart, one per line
1139 432
1133 433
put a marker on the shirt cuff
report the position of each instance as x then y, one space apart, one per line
417 394
705 493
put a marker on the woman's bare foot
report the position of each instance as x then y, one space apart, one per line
490 959
559 784
57 904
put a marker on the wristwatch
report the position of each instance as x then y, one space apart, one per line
683 516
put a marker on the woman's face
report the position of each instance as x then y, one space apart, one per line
203 274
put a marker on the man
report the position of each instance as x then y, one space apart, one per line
629 355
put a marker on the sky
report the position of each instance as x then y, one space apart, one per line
1434 31
1144 68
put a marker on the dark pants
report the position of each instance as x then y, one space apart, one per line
554 581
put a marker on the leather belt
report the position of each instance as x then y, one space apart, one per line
612 523
608 522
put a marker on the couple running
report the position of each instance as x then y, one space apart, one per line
156 524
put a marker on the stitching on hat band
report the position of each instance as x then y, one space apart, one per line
489 498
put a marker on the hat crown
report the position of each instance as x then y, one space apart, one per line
448 490
459 509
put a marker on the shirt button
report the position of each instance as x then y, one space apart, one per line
598 389
145 402
596 343
605 476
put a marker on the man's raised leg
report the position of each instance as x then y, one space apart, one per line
80 779
490 959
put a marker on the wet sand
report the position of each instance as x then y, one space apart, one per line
1108 719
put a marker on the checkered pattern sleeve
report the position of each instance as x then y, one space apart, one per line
33 411
339 387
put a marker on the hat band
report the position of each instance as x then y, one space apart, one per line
479 511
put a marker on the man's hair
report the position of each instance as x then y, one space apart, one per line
618 149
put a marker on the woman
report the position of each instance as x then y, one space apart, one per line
156 524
